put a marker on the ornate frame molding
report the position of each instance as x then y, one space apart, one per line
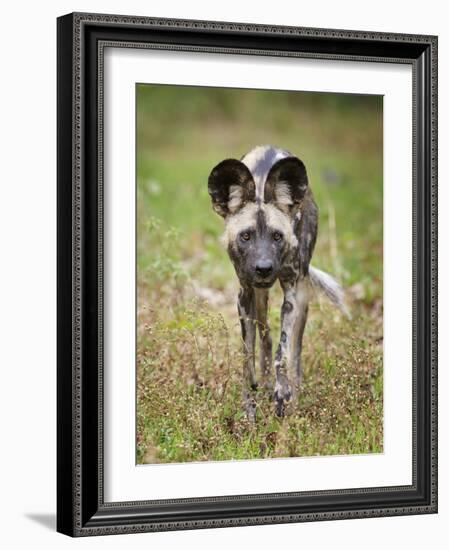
81 41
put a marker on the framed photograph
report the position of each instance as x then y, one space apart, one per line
247 278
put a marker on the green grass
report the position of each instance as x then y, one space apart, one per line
189 362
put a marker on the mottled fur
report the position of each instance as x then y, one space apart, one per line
271 224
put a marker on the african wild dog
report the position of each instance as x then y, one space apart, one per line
271 224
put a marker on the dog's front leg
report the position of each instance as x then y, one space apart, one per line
302 301
284 391
247 314
266 351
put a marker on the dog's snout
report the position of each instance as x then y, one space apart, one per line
264 268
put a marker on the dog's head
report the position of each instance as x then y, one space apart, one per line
260 199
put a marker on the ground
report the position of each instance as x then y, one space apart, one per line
189 373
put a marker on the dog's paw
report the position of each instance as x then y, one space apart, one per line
283 395
250 407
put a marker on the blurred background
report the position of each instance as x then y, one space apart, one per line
189 363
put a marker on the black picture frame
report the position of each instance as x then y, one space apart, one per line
81 509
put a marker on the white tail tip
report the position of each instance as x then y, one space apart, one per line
330 288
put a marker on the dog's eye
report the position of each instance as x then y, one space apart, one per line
277 236
245 236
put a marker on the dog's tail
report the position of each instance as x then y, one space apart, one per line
330 288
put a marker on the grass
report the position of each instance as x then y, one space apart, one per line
189 391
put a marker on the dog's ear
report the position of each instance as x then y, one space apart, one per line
230 186
286 184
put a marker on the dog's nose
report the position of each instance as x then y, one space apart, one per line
264 268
